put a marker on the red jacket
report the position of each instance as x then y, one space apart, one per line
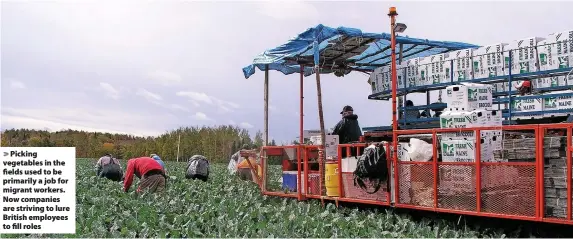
139 167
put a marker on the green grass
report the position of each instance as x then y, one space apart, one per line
225 206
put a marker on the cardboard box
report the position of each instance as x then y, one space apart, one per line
464 150
524 55
556 51
456 179
403 154
462 119
494 118
438 68
538 83
468 97
423 71
499 87
374 82
489 61
412 73
496 137
331 145
385 78
527 105
461 61
401 76
564 102
550 104
463 135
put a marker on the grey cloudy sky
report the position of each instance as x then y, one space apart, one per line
148 67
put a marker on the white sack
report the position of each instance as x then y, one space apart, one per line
420 151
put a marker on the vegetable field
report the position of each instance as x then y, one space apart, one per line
225 206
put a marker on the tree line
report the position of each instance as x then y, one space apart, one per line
216 143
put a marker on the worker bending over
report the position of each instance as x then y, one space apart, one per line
158 159
109 167
151 175
197 167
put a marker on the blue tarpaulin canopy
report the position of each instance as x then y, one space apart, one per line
342 50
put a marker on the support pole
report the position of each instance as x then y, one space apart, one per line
321 152
393 15
178 143
301 141
401 101
301 116
266 105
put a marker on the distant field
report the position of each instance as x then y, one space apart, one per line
228 207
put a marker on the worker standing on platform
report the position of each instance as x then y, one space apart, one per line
348 128
149 171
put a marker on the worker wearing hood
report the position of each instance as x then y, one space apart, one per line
348 128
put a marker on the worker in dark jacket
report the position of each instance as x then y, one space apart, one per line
348 128
149 171
197 167
109 167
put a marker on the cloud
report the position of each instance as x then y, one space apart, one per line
232 122
246 125
201 116
178 107
164 78
150 96
109 90
17 85
286 10
198 98
98 120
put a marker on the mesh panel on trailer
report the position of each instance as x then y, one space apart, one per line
457 187
351 191
416 184
508 189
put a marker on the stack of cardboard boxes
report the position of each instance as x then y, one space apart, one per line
469 105
556 52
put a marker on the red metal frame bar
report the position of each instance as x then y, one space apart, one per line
301 133
339 161
478 169
540 189
389 163
569 173
435 168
